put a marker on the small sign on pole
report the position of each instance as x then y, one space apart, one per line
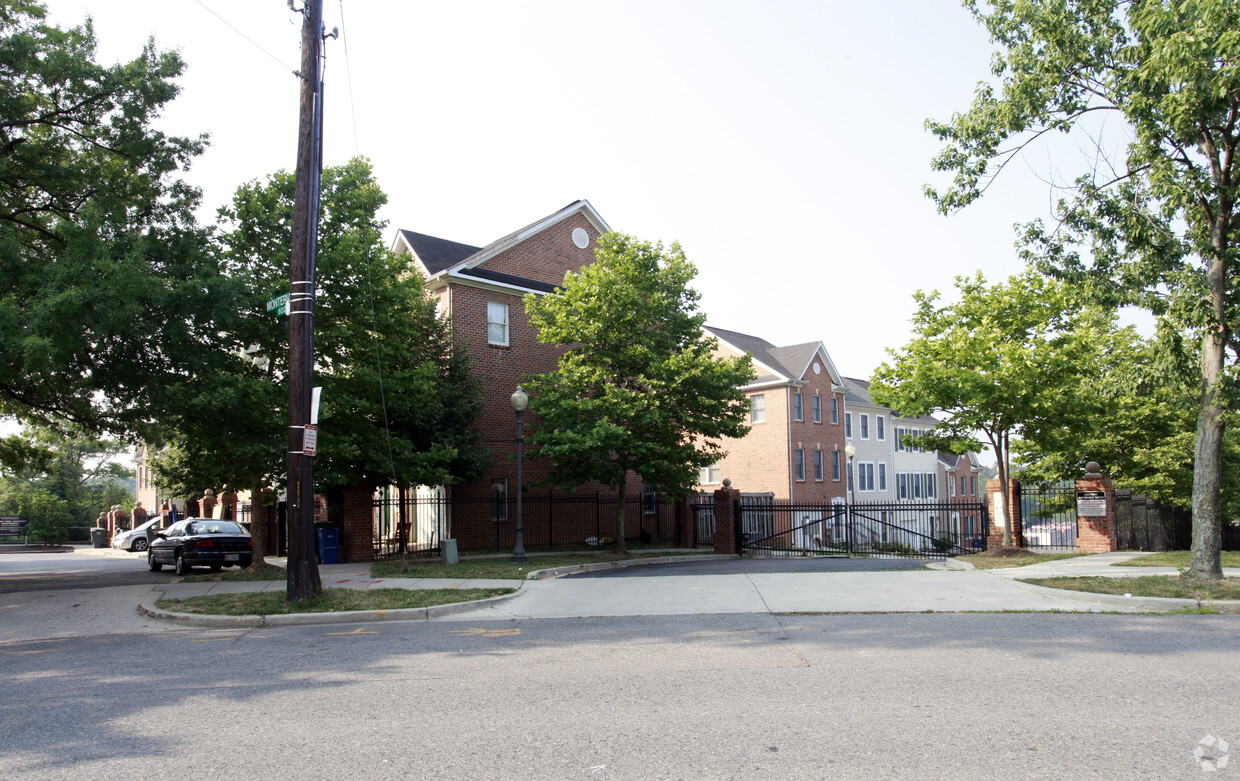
309 440
279 304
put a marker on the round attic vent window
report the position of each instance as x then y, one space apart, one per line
817 367
581 238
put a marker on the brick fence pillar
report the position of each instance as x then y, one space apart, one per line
725 518
994 501
1095 512
357 534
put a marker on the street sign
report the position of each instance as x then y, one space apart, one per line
279 304
309 440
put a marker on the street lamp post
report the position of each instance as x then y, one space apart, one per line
519 402
850 451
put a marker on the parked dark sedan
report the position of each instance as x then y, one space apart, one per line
200 542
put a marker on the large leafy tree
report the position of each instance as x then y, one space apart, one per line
1004 360
1153 225
64 478
639 387
398 400
108 297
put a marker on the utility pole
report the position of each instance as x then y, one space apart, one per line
303 570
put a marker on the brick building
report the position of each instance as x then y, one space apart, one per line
795 446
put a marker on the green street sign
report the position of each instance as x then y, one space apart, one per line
279 304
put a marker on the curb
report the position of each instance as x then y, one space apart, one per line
572 569
148 608
1148 604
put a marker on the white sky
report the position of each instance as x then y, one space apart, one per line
781 143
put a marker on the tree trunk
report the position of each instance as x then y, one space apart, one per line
1206 563
258 525
1001 462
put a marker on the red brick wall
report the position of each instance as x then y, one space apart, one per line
1096 534
995 537
357 535
546 255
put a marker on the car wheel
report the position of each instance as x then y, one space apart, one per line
151 563
139 544
182 567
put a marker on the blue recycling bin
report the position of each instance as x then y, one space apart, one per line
329 545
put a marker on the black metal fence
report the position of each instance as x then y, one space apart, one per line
1048 516
550 520
921 530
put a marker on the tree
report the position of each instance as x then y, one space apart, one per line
398 399
106 297
1154 226
71 478
639 388
1003 360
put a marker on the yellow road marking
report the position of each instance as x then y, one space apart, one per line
480 632
43 651
358 631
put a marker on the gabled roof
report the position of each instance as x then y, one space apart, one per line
433 253
443 258
777 365
951 459
859 393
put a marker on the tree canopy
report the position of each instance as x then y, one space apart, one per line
1153 224
108 295
398 399
1004 360
639 387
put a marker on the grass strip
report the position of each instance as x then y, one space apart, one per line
1176 558
1147 586
499 568
331 600
992 561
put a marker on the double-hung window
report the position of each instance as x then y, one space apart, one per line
497 323
818 465
835 465
835 410
757 408
798 407
865 426
799 462
848 425
817 408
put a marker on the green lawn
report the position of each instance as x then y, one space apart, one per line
497 568
1147 586
1176 558
331 600
1022 559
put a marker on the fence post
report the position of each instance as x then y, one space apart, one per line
994 500
726 522
1095 512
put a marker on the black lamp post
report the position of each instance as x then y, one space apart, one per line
519 402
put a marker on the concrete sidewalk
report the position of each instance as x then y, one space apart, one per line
72 613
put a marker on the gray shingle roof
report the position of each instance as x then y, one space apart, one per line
437 254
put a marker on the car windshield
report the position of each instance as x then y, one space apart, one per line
214 527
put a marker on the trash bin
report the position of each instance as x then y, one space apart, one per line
329 545
447 549
98 537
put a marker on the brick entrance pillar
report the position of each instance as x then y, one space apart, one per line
357 534
725 518
1095 508
994 503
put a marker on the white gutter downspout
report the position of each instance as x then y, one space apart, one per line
791 467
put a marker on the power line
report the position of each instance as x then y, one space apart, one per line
253 43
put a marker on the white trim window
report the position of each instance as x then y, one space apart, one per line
799 464
757 408
817 408
709 475
932 491
865 426
818 472
497 323
880 428
835 411
835 465
916 485
848 425
865 477
798 407
882 475
902 486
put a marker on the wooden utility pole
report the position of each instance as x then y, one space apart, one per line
303 569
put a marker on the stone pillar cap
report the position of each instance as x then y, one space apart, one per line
1093 470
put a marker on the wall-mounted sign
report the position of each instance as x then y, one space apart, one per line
11 525
1091 504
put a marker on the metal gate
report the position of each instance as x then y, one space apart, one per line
1048 517
917 530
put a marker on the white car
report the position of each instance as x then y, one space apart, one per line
134 539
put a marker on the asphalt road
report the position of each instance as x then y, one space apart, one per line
57 571
959 696
758 566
